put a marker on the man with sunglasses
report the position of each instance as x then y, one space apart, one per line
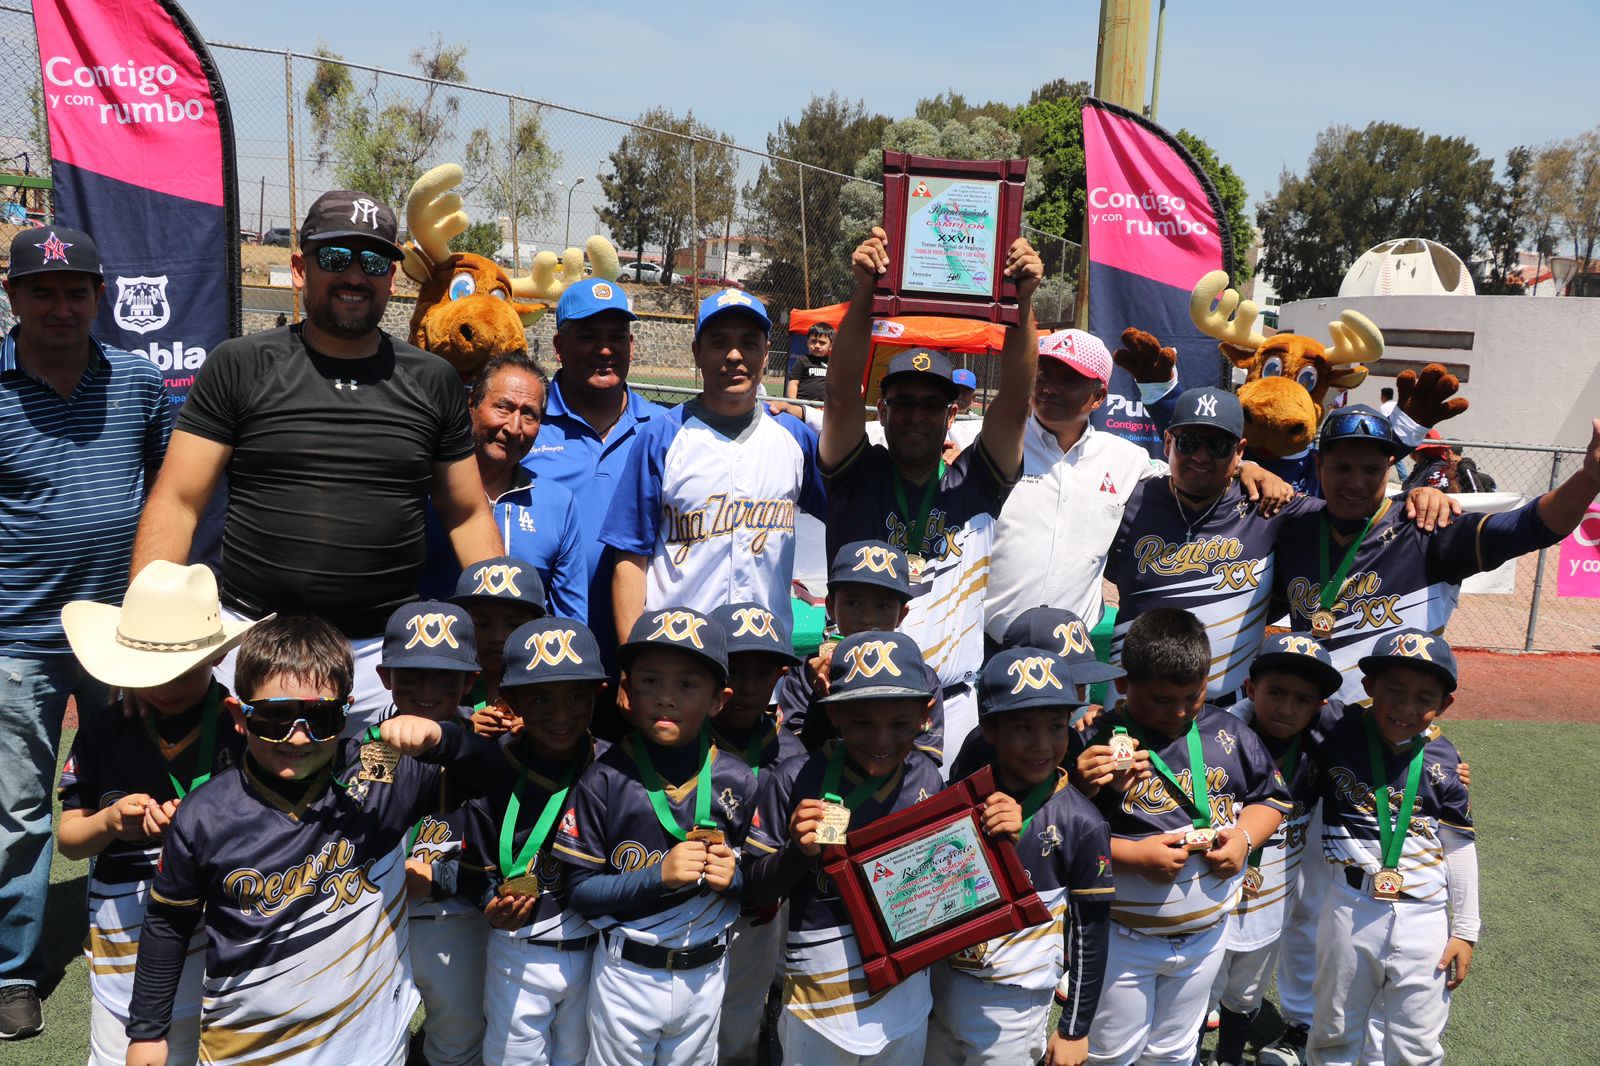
332 434
904 492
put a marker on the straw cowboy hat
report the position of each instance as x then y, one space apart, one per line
170 622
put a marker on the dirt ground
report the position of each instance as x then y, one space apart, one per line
1532 687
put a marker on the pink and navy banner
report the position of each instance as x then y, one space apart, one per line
142 157
1578 573
1154 227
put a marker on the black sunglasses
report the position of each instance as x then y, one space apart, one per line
336 260
1216 447
274 720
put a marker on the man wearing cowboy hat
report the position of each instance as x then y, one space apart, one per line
86 426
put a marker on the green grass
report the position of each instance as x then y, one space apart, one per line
1535 980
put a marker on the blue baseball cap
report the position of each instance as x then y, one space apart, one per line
589 297
753 628
1413 647
429 635
1019 679
871 562
504 578
878 665
1296 653
965 378
922 364
1057 630
551 649
681 628
1359 422
728 301
1210 407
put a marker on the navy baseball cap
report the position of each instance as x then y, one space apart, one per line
1413 647
551 649
429 635
1019 679
53 248
1057 630
589 297
1296 653
964 378
1211 407
878 665
1359 422
504 578
727 302
871 562
753 628
681 628
922 364
345 213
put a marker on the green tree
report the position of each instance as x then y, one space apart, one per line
629 210
952 106
1235 201
1362 187
480 238
513 173
1569 178
1050 133
1506 221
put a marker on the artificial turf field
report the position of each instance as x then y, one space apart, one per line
1533 995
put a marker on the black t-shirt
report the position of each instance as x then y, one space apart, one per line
332 460
810 375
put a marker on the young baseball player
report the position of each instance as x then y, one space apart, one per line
991 1001
126 776
536 989
759 655
293 859
499 594
1184 818
1401 917
652 837
879 694
1286 706
428 663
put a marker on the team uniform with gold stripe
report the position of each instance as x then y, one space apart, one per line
991 1002
829 1015
307 956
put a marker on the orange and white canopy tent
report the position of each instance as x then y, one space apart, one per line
891 336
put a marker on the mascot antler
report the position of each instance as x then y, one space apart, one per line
434 216
1356 339
546 283
1233 321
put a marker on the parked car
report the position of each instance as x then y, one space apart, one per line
642 272
276 237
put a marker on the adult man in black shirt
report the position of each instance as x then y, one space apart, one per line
332 434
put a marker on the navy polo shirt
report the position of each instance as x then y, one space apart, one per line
73 477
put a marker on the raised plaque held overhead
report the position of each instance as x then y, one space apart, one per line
925 882
950 224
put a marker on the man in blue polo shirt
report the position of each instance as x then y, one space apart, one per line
86 426
592 420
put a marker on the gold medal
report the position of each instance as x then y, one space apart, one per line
1252 882
526 885
1199 839
1121 751
378 760
915 564
1387 883
1322 623
835 823
710 836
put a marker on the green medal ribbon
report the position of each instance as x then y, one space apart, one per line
208 743
516 865
753 750
1199 804
1392 838
917 528
830 781
658 796
1331 587
1035 799
1286 762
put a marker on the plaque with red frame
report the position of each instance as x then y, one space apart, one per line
950 223
923 883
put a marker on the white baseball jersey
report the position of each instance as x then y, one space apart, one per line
712 503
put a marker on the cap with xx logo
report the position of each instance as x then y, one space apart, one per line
549 650
505 578
429 635
878 665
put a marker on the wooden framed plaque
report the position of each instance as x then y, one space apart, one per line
925 882
950 223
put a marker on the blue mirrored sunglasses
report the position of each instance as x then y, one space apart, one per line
1355 424
336 260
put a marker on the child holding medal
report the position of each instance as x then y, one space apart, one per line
1401 918
651 839
1181 833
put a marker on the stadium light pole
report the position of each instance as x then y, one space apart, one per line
567 240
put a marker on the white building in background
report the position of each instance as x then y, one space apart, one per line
735 256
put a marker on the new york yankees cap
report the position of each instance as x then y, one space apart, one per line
345 213
731 301
1298 654
878 665
504 578
871 562
1058 630
680 628
1212 407
552 649
1413 647
53 248
589 297
753 628
430 635
1020 679
922 364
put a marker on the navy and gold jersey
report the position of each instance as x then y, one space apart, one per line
1219 569
1066 851
1349 812
778 744
610 827
795 696
1239 772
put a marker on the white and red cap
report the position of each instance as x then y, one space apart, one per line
1083 352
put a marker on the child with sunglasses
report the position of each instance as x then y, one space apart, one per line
293 859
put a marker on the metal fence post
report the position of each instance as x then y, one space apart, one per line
1538 573
294 213
805 250
512 202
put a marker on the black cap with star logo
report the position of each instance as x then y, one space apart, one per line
53 248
